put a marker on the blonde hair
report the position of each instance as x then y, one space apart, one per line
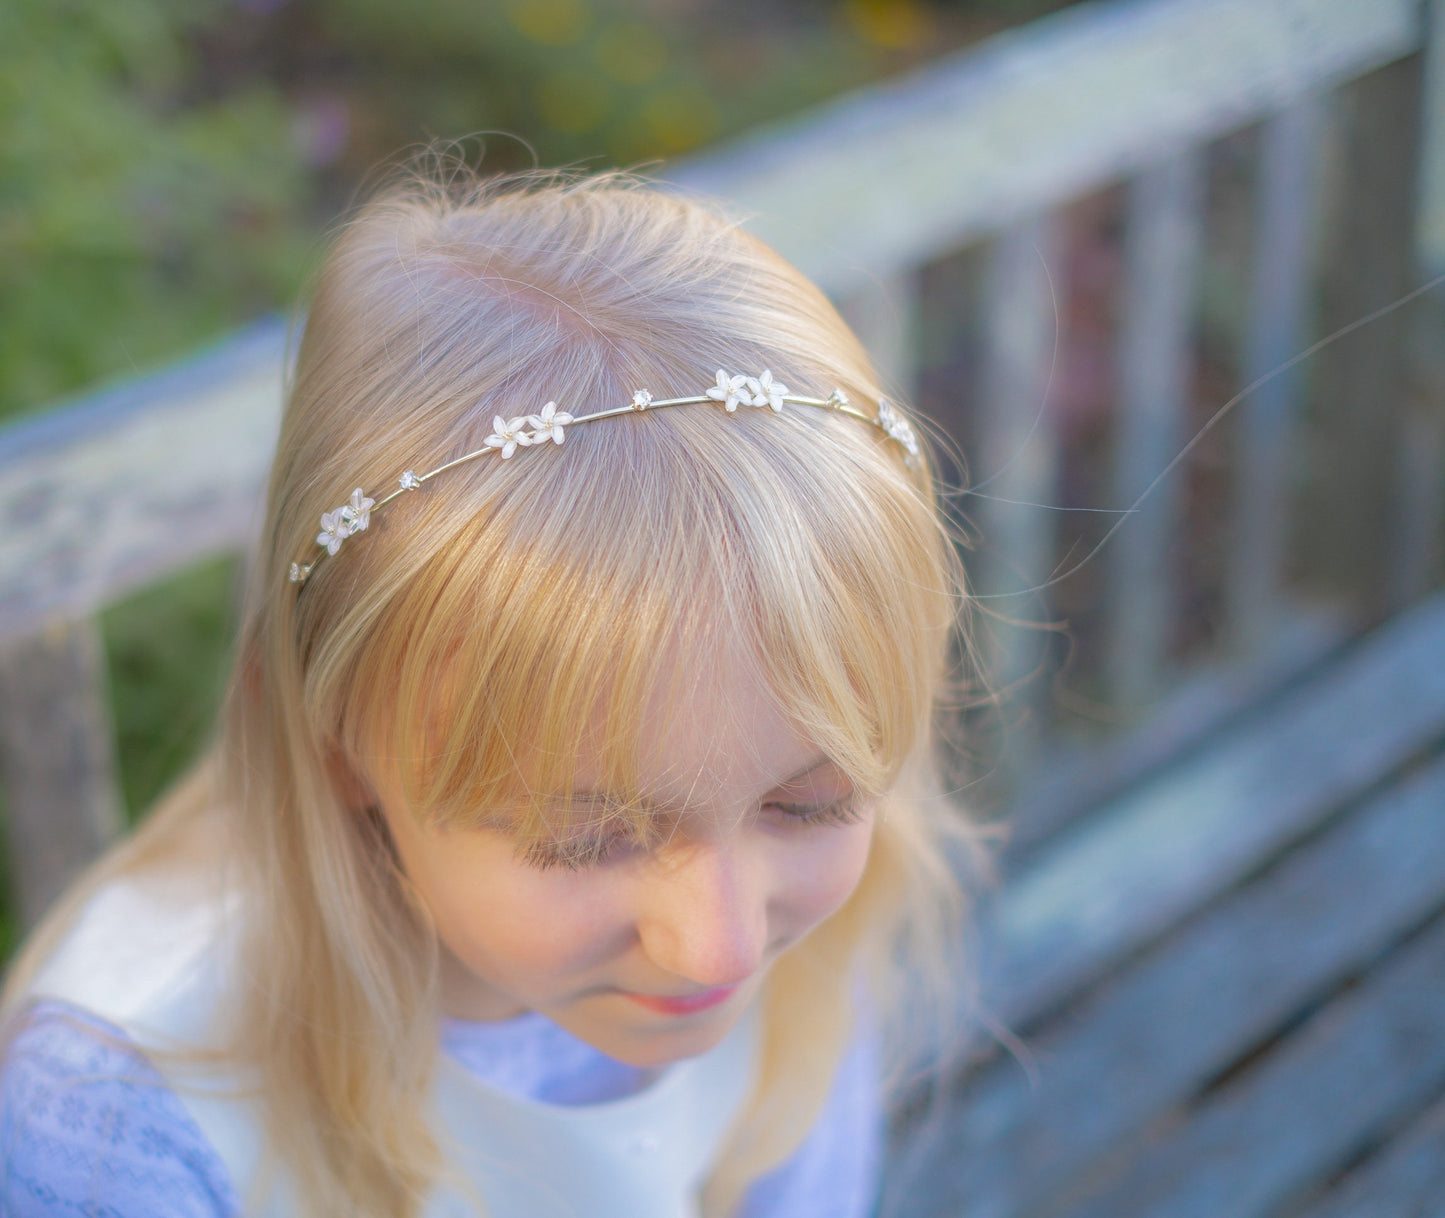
544 587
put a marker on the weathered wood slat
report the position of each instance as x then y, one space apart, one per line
1016 465
883 313
1430 238
1032 118
1072 781
1144 1043
1361 382
1420 546
1289 156
126 486
1164 237
1360 1064
1132 870
57 757
1405 1180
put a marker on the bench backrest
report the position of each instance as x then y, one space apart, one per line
867 195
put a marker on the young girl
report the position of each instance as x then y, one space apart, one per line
571 800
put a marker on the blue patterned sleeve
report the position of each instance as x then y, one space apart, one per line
88 1127
835 1173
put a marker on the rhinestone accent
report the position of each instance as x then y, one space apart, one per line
641 400
409 481
891 420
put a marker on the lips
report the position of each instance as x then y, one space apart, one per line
685 1005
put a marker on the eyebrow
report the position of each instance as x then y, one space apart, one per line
664 805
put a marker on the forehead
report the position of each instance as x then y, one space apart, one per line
711 728
705 730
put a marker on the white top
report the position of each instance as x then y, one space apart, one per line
152 961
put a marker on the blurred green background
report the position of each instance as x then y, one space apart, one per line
167 168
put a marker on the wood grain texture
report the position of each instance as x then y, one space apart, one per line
1107 886
57 757
1406 1179
1071 781
1145 1042
1031 118
1283 1127
130 484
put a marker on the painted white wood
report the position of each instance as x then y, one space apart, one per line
897 172
133 484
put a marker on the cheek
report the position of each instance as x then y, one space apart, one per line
821 875
497 914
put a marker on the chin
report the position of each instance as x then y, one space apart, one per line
650 1048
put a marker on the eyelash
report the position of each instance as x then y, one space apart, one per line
576 856
843 811
546 855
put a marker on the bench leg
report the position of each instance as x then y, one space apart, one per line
57 760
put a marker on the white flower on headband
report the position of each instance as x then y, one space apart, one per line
766 391
548 424
730 390
333 531
356 515
507 434
349 518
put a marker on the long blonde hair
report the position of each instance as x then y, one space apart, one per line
544 587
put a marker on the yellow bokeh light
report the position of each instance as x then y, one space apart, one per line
553 23
680 119
895 25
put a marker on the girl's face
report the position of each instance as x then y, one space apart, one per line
650 950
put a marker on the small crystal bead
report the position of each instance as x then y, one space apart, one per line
409 481
296 574
641 400
837 398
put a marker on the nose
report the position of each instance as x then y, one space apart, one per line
704 915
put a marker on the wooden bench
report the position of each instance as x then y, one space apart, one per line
1219 935
1230 979
987 148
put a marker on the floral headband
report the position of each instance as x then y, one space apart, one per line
508 435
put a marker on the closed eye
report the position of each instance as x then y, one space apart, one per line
589 844
845 811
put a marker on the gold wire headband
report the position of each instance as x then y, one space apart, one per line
508 435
